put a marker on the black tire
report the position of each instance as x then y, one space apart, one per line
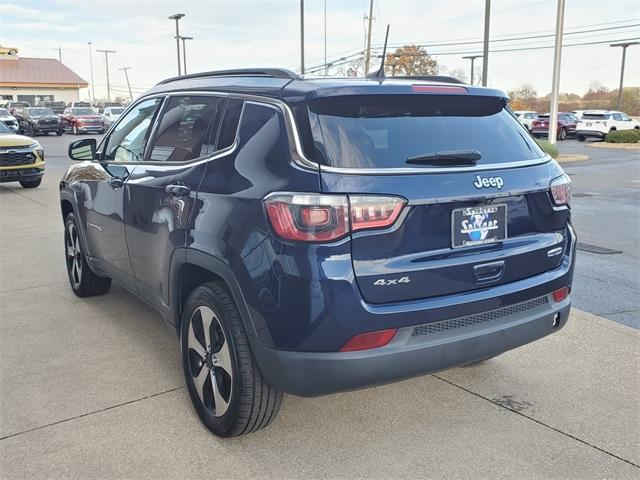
84 282
562 134
30 183
251 403
580 138
101 132
59 133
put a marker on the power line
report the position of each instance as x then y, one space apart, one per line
459 41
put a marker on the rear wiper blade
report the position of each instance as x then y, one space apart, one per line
447 158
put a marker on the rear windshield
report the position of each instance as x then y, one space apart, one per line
384 131
595 116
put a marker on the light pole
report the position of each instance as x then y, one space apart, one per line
301 37
555 85
624 55
177 18
485 48
93 87
126 75
472 58
184 52
367 59
106 61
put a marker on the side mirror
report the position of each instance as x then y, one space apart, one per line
84 149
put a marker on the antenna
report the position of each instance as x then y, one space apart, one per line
380 73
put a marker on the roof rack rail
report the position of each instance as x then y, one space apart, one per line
432 78
239 72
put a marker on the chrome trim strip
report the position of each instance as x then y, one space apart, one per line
423 170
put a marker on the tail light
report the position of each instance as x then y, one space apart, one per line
312 217
561 190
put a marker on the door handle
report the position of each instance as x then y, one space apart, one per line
115 182
177 190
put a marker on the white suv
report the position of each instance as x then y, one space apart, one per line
526 117
597 123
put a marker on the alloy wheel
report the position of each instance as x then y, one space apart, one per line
209 360
74 255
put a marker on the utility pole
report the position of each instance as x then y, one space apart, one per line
367 59
472 58
184 51
485 48
624 55
93 86
326 67
177 18
555 85
301 37
106 61
124 69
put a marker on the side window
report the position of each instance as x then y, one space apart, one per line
617 116
624 117
184 129
230 123
262 130
126 142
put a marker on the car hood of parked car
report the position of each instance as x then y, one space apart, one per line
11 140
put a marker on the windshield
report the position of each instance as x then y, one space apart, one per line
83 111
384 131
40 112
4 129
4 112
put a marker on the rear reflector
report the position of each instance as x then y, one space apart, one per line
438 89
368 340
560 294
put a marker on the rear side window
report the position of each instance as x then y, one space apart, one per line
230 123
185 129
384 131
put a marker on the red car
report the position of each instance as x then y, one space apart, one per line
566 125
78 120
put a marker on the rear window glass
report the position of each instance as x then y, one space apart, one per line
596 116
375 131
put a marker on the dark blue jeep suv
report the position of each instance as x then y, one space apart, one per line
310 236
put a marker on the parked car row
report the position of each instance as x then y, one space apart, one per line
578 123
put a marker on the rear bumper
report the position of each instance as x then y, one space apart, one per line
409 354
512 315
591 133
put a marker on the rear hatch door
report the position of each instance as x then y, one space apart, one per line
470 222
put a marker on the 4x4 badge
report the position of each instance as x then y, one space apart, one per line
488 182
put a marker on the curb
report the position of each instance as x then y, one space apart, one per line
615 146
571 158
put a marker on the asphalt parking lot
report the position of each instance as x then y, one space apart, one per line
92 388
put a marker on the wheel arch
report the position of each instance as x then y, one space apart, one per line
195 268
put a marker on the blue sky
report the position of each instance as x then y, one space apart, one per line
266 33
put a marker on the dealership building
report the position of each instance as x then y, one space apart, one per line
35 80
